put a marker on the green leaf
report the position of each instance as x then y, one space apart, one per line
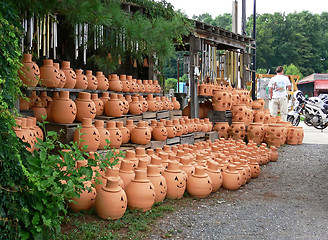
36 219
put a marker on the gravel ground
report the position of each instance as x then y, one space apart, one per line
287 201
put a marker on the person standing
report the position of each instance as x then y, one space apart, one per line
278 87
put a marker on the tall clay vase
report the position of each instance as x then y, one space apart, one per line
49 74
125 132
140 192
92 80
176 183
115 84
69 73
255 167
125 103
39 111
29 73
199 184
223 129
214 173
103 83
126 172
85 201
63 109
255 132
151 103
86 108
61 75
159 182
111 200
141 134
114 106
103 133
98 103
159 132
115 134
90 136
81 80
231 178
135 107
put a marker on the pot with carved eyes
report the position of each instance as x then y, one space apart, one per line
86 108
114 107
126 104
175 179
141 134
69 73
160 132
63 109
49 74
62 76
231 178
136 107
115 84
103 132
199 184
81 80
115 134
125 83
98 103
30 72
90 136
92 80
126 134
103 83
159 182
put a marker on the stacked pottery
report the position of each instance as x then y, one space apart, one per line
29 73
39 111
176 183
231 178
125 83
125 103
159 182
199 184
171 129
49 74
144 103
259 116
140 192
239 113
61 75
221 100
115 134
103 133
86 108
88 137
114 107
151 103
115 84
178 127
223 129
126 171
102 81
176 104
141 134
92 80
69 73
81 80
98 103
63 109
255 132
237 131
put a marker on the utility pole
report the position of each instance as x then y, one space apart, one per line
235 16
254 53
243 18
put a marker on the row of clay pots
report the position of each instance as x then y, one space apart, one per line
50 75
142 179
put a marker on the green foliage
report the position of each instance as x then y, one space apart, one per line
291 69
223 21
171 83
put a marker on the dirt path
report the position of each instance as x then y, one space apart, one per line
287 201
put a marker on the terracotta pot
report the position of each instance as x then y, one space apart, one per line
176 183
275 134
255 167
199 184
24 104
130 156
115 84
29 73
129 125
81 80
103 133
45 98
258 116
140 192
85 201
178 127
159 182
231 178
241 171
141 134
292 138
92 80
158 88
223 129
115 134
49 75
63 109
37 132
104 97
125 132
62 76
114 107
144 103
239 113
255 132
214 173
237 131
160 132
209 124
171 129
103 83
221 100
33 98
126 171
86 108
135 86
98 103
151 103
39 111
125 83
135 107
48 109
141 86
111 200
126 104
146 86
69 73
300 134
28 133
273 154
90 137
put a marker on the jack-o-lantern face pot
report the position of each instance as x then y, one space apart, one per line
115 84
159 182
146 85
151 103
184 126
255 167
241 171
115 134
178 127
61 75
140 192
114 107
111 200
199 184
231 178
81 80
255 132
69 73
176 183
126 171
144 103
103 83
45 98
39 111
29 72
98 103
171 129
103 133
63 109
159 132
125 132
141 134
136 107
176 104
104 97
214 173
85 201
90 136
92 80
125 83
141 86
126 104
49 74
86 108
223 129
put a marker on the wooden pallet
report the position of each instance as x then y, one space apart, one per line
162 114
134 146
211 136
157 144
173 141
107 118
27 113
187 138
146 116
135 118
65 131
220 116
175 114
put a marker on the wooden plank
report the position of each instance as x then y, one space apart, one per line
163 114
211 136
67 130
199 135
199 140
156 144
175 114
135 118
220 116
188 138
133 145
27 113
107 118
149 115
171 141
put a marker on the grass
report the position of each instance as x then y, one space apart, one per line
133 225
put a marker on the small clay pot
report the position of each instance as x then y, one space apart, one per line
86 108
159 182
39 111
115 84
171 129
81 80
160 132
125 103
176 182
214 173
151 103
49 74
61 75
63 109
103 83
141 134
125 83
135 107
98 103
104 97
114 106
125 132
103 133
126 171
115 134
29 73
85 201
69 73
92 80
231 178
90 137
199 184
130 155
223 129
129 125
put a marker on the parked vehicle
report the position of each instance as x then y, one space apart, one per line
314 110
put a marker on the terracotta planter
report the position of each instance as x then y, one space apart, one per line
223 129
90 137
239 113
69 73
141 155
209 124
111 200
130 155
292 135
63 109
24 104
237 131
300 134
48 109
125 83
214 173
125 132
114 107
135 107
45 98
62 76
29 73
144 103
141 134
160 132
241 171
39 111
221 100
157 87
98 103
159 182
171 129
255 132
115 134
115 84
81 80
275 135
86 108
125 103
126 172
103 133
231 178
273 154
199 184
49 75
104 97
103 83
92 80
178 127
85 201
176 183
129 125
151 103
140 192
259 116
255 167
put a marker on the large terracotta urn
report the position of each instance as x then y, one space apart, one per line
141 134
115 84
115 134
114 107
69 73
88 137
103 133
29 73
103 83
63 109
92 80
176 182
49 74
159 182
81 80
231 178
237 131
86 108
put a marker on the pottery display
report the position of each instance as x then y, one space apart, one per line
29 73
103 83
103 133
63 109
49 74
199 184
92 80
45 98
171 129
239 113
223 129
141 134
126 104
160 132
125 83
237 131
255 132
86 108
115 84
135 106
231 178
69 73
126 171
33 98
81 80
255 167
275 134
144 103
39 111
98 103
125 132
214 173
115 134
90 136
85 201
176 183
114 107
159 182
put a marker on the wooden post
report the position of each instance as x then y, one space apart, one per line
194 104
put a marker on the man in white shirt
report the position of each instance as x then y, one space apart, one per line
278 93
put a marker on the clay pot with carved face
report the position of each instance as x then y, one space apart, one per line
159 182
135 107
63 109
85 201
69 73
125 132
90 137
231 178
115 84
115 134
103 83
125 83
103 133
29 72
62 76
151 103
92 80
199 184
98 103
175 179
160 132
86 108
114 107
81 80
49 74
125 103
213 171
141 134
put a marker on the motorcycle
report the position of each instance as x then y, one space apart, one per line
314 110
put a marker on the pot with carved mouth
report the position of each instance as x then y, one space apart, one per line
63 109
160 132
114 107
159 182
29 73
141 134
49 74
199 184
175 179
103 83
81 80
115 134
92 80
69 73
86 108
62 76
90 136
